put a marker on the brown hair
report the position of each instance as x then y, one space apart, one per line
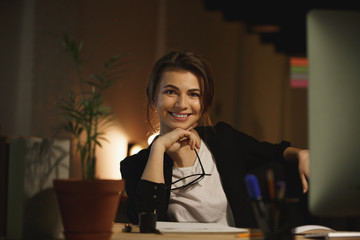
189 61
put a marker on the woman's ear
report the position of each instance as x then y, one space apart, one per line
153 107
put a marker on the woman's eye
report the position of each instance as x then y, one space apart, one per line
170 91
193 94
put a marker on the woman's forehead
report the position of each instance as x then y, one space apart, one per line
179 78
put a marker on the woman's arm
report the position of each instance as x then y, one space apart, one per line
169 142
153 171
302 156
144 174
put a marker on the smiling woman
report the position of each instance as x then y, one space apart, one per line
178 65
178 102
169 178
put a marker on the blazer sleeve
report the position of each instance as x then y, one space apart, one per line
255 153
142 195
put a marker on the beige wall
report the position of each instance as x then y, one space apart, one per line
252 85
269 108
218 41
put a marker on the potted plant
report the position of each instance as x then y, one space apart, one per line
88 205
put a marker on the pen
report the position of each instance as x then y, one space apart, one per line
258 205
280 190
280 195
249 234
271 184
253 187
271 187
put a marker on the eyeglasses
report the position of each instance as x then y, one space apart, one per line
199 176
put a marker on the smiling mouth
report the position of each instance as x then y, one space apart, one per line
177 115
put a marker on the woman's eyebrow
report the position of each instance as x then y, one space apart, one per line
170 86
194 90
190 90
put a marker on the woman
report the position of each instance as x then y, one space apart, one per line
193 171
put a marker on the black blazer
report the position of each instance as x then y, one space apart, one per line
235 153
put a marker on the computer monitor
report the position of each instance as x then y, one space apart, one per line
333 51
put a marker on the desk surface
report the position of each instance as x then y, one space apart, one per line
119 235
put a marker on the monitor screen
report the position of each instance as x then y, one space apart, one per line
333 51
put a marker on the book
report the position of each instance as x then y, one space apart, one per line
334 235
31 208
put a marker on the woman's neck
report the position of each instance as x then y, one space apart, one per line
185 157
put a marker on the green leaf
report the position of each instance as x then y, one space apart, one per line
79 131
104 139
86 113
97 77
94 84
114 59
106 85
97 143
80 47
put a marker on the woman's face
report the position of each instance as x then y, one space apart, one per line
178 101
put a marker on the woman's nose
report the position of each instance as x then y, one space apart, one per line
181 102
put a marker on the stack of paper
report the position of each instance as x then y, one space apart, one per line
184 227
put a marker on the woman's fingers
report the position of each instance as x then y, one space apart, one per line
197 143
304 183
179 138
304 169
188 138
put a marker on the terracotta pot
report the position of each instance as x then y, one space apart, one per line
88 207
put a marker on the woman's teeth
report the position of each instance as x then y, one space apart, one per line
180 115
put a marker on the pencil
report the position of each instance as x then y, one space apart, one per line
271 185
249 234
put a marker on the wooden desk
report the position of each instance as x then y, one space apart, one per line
135 235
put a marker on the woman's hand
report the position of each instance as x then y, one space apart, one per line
304 168
178 138
303 158
169 143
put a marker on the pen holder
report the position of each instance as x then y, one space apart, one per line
147 222
270 219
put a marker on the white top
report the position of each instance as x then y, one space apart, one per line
204 201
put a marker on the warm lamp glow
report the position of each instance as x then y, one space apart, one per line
135 149
110 154
152 137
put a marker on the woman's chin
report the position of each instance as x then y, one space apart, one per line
184 126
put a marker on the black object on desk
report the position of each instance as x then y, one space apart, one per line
147 222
